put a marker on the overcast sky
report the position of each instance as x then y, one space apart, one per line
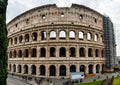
110 8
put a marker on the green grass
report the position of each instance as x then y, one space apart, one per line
92 83
116 81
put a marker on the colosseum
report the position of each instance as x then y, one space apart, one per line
51 41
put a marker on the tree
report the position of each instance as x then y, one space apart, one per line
3 43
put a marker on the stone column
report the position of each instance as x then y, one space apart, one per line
29 52
86 52
86 70
67 70
67 52
37 70
38 52
57 70
77 51
94 68
29 69
22 66
77 68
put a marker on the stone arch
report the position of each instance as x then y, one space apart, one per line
20 53
72 52
72 68
19 68
62 70
10 55
25 69
26 52
82 68
52 70
20 39
90 54
34 36
42 70
103 67
9 67
33 70
82 52
14 68
52 34
11 41
95 37
97 53
15 40
52 52
34 52
26 37
102 53
42 52
72 35
97 68
43 35
62 34
89 36
90 67
62 52
15 53
81 35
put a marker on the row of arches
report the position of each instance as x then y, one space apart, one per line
53 35
43 52
52 69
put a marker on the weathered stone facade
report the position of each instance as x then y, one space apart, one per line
49 41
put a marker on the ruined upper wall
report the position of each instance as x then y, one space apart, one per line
53 15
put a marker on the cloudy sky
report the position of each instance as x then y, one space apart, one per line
110 8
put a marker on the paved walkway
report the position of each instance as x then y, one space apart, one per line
13 80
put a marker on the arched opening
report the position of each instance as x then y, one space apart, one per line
102 53
72 35
82 52
34 36
62 70
43 52
52 52
27 38
97 68
15 40
97 53
34 52
52 70
81 35
11 41
42 70
9 67
20 39
90 67
14 68
88 36
26 53
25 69
96 37
43 35
62 35
15 53
103 67
82 68
20 53
10 55
72 52
62 52
72 68
90 52
52 35
33 70
19 69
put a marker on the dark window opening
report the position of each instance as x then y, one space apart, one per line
26 53
82 68
43 35
72 52
14 68
34 37
33 68
34 52
52 52
19 69
20 39
62 70
72 68
62 52
90 52
90 67
52 71
97 68
15 40
42 52
81 16
96 53
82 52
27 37
14 54
25 69
20 53
42 70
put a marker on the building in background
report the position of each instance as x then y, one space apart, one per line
109 40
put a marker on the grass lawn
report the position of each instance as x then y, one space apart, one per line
116 81
92 83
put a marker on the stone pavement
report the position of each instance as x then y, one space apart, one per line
55 81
